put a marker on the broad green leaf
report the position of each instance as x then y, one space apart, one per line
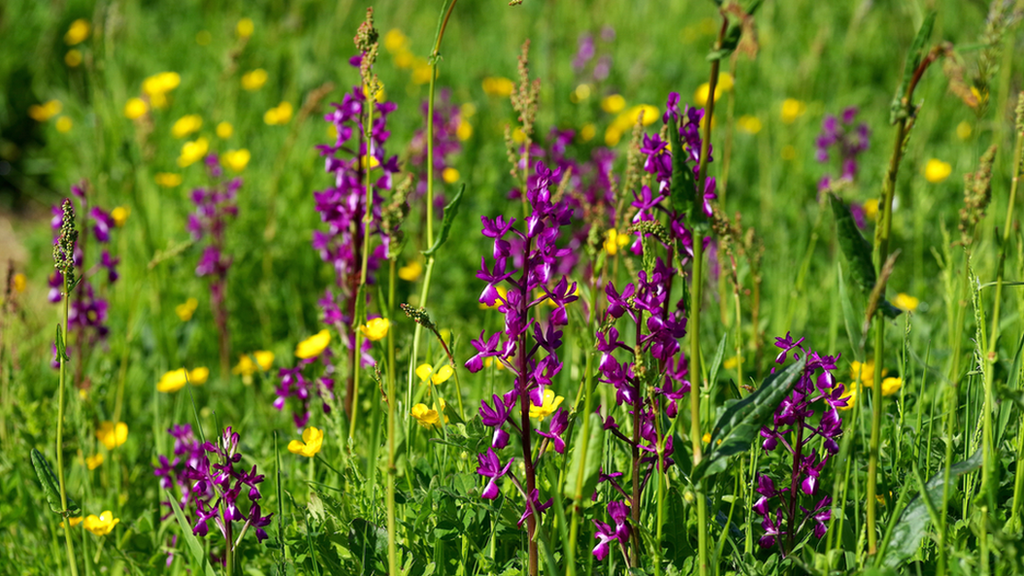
451 210
590 463
742 419
914 521
683 185
856 249
61 347
194 547
51 486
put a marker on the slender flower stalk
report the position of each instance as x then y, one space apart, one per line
1018 160
435 58
904 123
696 295
64 262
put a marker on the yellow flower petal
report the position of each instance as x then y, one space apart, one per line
93 462
135 108
905 302
73 58
375 329
225 130
498 86
254 80
792 109
936 171
185 311
314 345
411 271
245 28
77 32
120 215
112 436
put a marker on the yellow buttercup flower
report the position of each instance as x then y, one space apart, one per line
312 441
395 40
74 521
441 375
375 329
112 436
464 131
548 407
175 379
411 271
20 282
936 171
613 103
77 32
73 58
314 345
427 417
100 525
158 85
45 111
963 130
866 371
93 462
279 115
225 130
581 93
450 175
135 108
905 302
628 118
891 386
792 109
120 215
871 209
731 363
850 395
254 80
612 135
498 86
236 160
193 151
167 179
749 124
421 71
246 367
64 124
187 125
588 131
613 241
188 308
245 27
700 96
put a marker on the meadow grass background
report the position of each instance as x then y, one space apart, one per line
826 55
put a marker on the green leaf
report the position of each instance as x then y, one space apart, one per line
61 347
361 305
856 249
590 462
681 192
451 210
51 486
916 54
909 531
716 362
1013 383
194 547
742 419
368 542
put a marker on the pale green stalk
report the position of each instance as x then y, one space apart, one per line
693 321
391 472
371 100
435 57
60 439
990 357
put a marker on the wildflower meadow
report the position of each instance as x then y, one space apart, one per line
707 287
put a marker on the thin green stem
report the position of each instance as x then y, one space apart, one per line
371 100
693 322
391 472
60 441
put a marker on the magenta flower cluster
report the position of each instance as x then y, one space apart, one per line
342 206
847 140
795 428
87 310
294 384
524 261
211 486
